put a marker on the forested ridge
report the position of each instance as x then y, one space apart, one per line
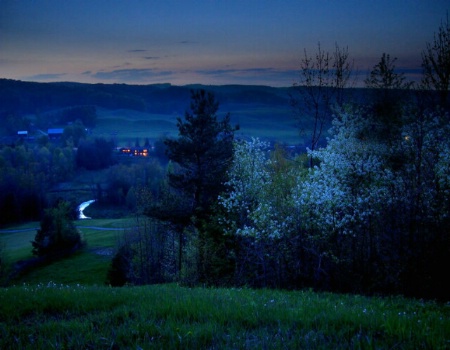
30 97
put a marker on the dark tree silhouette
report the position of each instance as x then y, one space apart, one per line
389 91
384 77
199 159
436 63
322 80
58 235
203 151
95 154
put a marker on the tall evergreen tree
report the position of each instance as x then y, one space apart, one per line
203 151
199 159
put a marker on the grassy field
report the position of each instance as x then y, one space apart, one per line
66 305
274 124
88 266
126 125
51 315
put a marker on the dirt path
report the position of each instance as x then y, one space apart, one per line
98 228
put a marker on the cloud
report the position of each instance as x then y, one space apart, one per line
137 50
248 71
285 77
279 77
122 65
152 57
132 75
45 77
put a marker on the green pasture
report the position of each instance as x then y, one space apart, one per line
88 266
271 123
268 123
125 126
54 315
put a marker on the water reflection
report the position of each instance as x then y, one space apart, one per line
83 206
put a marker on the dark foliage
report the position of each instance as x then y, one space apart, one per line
388 91
74 133
201 156
203 150
95 154
436 65
118 274
26 173
86 114
57 235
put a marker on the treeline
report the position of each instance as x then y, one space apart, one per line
366 213
26 173
85 115
29 171
370 216
28 98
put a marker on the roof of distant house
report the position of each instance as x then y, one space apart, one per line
55 131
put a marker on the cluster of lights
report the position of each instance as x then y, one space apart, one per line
135 152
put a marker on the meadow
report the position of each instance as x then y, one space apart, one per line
270 123
88 266
66 305
52 315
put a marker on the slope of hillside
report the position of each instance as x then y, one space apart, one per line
128 112
59 316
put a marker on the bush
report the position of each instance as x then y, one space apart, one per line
118 273
140 258
58 235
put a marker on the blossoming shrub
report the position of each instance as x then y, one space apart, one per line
372 216
258 207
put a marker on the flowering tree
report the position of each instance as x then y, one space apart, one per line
343 198
378 208
259 199
372 215
342 195
258 206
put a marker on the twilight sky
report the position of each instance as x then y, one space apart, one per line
205 41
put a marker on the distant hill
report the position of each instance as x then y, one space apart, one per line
150 110
28 97
134 111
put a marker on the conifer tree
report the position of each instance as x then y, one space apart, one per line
203 152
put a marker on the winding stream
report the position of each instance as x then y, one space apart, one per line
83 206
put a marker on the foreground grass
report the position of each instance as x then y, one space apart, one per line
75 311
169 316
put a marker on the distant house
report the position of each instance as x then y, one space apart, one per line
54 134
134 151
23 134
